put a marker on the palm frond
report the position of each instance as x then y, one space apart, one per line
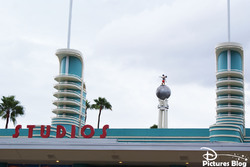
10 109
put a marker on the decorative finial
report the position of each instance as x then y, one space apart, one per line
163 92
163 79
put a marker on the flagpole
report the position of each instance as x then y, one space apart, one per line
228 19
69 25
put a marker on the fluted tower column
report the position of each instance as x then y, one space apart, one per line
229 126
71 93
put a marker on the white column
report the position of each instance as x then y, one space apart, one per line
166 118
163 120
67 65
160 119
163 114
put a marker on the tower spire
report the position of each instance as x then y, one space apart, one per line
69 24
228 20
163 93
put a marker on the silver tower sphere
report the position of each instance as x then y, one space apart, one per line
163 92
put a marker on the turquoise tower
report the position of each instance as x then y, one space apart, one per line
230 119
71 92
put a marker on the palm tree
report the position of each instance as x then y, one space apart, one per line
154 126
10 109
100 104
88 106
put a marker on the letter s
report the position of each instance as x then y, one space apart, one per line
104 131
17 131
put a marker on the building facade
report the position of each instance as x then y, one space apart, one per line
68 142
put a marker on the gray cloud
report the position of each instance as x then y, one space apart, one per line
126 46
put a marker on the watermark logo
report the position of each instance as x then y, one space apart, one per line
210 159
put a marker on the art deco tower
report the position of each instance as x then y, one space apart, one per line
230 119
229 124
71 93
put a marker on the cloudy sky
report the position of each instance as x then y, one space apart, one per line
126 45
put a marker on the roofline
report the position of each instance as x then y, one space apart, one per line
112 144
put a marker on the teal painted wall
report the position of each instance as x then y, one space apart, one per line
222 61
236 61
63 66
140 134
75 66
223 139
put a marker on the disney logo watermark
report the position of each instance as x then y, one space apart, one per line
210 159
209 156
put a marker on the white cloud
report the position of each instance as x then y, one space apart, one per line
126 46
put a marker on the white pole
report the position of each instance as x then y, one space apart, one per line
165 114
160 119
228 19
69 25
163 119
166 118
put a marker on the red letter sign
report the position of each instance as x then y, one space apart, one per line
73 131
17 131
92 131
47 131
30 127
104 131
58 131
